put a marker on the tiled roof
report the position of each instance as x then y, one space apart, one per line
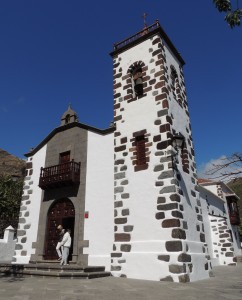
204 180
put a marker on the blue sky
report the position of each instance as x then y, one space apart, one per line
57 52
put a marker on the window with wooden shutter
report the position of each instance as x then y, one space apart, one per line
140 149
64 157
64 160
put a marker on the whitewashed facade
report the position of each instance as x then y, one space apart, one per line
222 236
128 193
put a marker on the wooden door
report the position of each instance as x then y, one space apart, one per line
62 212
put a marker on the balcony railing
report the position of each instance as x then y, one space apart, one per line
136 36
234 218
60 175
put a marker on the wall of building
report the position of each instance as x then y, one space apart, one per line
99 224
29 209
72 139
155 208
162 230
223 192
181 123
219 233
7 245
236 240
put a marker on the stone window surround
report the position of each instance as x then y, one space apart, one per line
131 94
140 167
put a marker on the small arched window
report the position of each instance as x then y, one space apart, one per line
174 80
175 85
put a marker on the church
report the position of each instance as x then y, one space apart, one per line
130 193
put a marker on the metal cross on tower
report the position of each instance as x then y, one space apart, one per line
144 17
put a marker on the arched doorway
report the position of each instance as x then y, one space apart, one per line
62 212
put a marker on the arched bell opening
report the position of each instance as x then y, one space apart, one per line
61 212
138 81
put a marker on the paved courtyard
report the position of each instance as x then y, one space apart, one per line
226 284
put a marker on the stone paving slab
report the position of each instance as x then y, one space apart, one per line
227 284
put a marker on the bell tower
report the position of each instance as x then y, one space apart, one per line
159 230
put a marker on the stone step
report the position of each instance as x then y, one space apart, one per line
42 273
68 268
53 270
49 262
56 264
61 274
5 269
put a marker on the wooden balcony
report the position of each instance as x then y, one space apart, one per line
60 175
233 210
234 218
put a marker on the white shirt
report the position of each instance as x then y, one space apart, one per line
66 242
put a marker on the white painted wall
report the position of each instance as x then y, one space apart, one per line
98 227
213 188
236 238
139 115
216 206
145 109
35 196
148 237
214 211
181 122
234 229
7 245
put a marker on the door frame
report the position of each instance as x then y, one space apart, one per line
63 213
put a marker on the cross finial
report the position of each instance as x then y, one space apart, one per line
144 17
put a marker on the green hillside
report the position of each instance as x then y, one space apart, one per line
11 165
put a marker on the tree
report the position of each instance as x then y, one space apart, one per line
233 16
10 198
228 168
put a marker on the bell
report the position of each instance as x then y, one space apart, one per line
138 87
138 81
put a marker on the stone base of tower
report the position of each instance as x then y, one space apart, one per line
99 260
176 266
18 259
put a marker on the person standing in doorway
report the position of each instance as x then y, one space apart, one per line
66 243
59 247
